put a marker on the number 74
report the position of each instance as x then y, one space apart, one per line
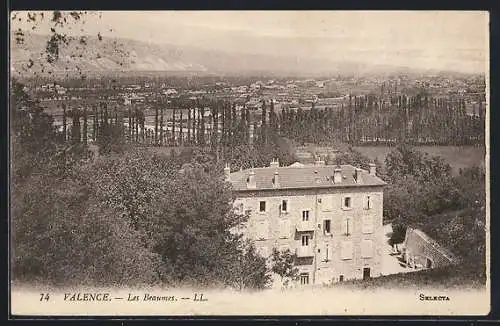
44 296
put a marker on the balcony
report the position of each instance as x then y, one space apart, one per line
304 251
305 226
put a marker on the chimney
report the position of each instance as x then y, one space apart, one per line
357 175
251 180
276 180
337 176
274 163
373 169
227 173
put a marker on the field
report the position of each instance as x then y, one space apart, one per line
457 156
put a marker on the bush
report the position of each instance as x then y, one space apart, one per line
61 238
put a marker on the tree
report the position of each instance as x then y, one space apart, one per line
283 264
406 161
353 157
34 138
398 234
423 194
111 138
248 270
62 232
184 215
192 223
62 235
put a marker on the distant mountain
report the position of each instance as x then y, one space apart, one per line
110 55
91 55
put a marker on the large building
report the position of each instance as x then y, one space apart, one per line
330 216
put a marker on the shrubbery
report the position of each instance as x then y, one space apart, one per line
422 193
125 219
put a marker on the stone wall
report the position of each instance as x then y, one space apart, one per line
422 252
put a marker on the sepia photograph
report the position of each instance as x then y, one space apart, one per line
249 163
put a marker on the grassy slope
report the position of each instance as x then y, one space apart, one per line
457 156
451 277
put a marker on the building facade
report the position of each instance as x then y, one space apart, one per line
329 216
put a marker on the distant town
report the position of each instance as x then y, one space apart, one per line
383 105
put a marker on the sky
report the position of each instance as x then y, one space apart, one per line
448 40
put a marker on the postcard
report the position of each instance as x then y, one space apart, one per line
249 163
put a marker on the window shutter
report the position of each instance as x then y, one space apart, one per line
326 253
367 224
284 228
263 230
258 232
347 226
346 250
327 203
366 248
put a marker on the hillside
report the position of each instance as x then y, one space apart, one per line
126 55
117 54
95 55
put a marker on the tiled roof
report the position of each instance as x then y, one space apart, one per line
307 176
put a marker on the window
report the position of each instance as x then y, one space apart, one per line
346 250
305 216
347 202
368 202
347 226
341 278
262 206
284 206
367 224
241 208
305 240
327 226
367 248
304 278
